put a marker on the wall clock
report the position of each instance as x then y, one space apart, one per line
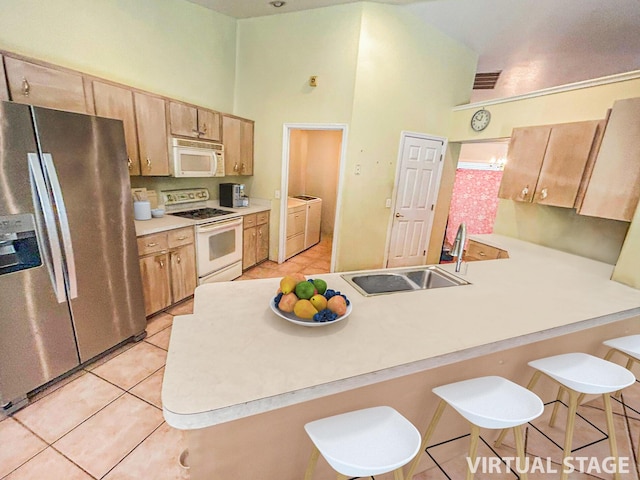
480 120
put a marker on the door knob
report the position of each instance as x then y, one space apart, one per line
398 215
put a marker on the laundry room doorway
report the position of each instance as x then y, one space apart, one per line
313 160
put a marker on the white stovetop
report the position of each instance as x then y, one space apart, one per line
170 222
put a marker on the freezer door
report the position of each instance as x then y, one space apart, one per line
84 161
37 342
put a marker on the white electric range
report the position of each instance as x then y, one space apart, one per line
218 233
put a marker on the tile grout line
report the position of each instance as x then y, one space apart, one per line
133 449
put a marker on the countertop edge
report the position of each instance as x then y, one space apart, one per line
214 417
171 222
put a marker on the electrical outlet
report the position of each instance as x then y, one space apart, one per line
358 169
277 194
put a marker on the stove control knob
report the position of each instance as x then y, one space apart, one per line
191 195
170 197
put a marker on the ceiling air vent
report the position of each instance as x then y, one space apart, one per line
486 80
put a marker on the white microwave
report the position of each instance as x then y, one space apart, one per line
197 158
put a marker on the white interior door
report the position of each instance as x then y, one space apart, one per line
417 189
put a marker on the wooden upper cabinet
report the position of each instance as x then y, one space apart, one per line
237 137
188 121
152 134
546 164
614 187
209 124
46 87
116 102
183 120
524 161
564 162
4 91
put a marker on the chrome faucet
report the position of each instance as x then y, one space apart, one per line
458 245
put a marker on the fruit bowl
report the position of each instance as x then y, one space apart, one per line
305 322
309 302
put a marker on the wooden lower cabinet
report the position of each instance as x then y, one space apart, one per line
156 284
183 272
168 268
255 239
481 251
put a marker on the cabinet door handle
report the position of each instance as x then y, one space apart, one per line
161 263
525 191
129 163
204 128
152 244
482 254
544 193
148 163
235 167
253 234
181 238
178 259
260 233
26 88
242 167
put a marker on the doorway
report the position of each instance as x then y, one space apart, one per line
474 199
312 167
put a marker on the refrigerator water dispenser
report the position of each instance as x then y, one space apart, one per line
18 243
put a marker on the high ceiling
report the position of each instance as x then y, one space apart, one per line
535 43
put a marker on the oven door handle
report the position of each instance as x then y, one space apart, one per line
218 225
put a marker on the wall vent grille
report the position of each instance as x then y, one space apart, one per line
486 80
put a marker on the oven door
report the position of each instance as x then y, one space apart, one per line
218 245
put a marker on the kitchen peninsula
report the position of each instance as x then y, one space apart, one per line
243 381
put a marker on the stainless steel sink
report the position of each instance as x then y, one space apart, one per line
409 279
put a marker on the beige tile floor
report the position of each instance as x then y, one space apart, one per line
105 421
316 259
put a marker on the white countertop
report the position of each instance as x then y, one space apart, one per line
170 222
234 357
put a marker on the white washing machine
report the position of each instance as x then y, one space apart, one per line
314 214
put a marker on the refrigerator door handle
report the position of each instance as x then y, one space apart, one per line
55 268
63 220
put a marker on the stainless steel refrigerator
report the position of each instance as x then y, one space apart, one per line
70 284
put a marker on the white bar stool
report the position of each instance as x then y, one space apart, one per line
486 402
580 374
628 346
363 443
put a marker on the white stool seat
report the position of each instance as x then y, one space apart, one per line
492 402
585 373
629 345
365 442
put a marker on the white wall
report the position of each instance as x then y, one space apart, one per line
169 47
380 70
